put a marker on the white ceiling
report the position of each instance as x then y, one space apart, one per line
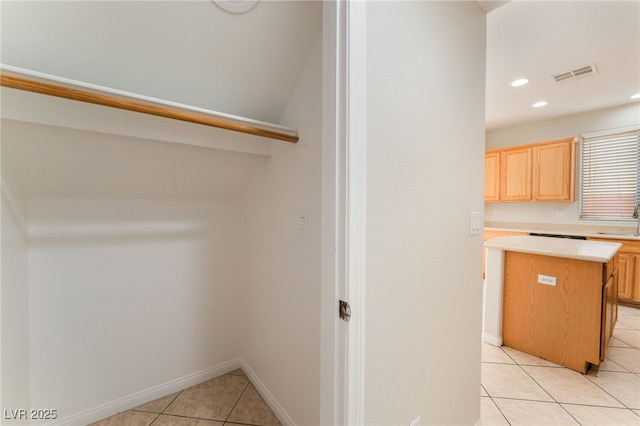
195 53
537 39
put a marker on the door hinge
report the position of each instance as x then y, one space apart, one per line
345 311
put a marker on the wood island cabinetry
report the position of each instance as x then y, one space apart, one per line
569 322
542 171
553 298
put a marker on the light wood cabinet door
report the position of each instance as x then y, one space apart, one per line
553 171
515 179
627 262
492 176
609 311
629 272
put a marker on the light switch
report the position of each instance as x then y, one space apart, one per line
303 224
475 223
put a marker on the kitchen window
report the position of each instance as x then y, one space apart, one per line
609 174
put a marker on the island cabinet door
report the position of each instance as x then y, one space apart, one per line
609 311
629 269
626 275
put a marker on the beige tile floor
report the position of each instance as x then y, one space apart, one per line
229 400
519 389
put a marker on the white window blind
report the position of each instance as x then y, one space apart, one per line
609 169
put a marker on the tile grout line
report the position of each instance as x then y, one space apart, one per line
238 400
605 391
626 343
163 410
154 420
536 382
499 409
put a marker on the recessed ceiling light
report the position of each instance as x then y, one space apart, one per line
519 82
539 104
636 96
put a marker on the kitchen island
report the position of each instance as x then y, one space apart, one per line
551 297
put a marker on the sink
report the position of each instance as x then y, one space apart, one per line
625 234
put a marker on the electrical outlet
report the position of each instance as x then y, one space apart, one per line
558 213
415 422
547 280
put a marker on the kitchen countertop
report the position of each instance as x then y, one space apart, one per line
595 251
594 231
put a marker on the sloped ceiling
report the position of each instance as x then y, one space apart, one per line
189 52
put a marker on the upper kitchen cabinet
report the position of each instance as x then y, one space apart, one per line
542 171
515 174
492 176
554 171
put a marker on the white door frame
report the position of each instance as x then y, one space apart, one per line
344 203
356 208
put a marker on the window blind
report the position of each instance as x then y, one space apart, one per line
609 171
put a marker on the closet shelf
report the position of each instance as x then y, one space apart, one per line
98 95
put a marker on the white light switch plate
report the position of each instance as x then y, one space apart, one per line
475 223
303 224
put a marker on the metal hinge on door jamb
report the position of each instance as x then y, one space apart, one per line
345 311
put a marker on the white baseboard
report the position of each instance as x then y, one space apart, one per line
491 339
138 398
151 394
277 409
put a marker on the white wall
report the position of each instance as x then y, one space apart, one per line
425 145
134 261
146 263
281 289
567 126
14 387
128 294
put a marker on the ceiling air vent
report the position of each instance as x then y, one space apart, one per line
581 72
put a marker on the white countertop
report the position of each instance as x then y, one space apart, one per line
618 232
595 251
